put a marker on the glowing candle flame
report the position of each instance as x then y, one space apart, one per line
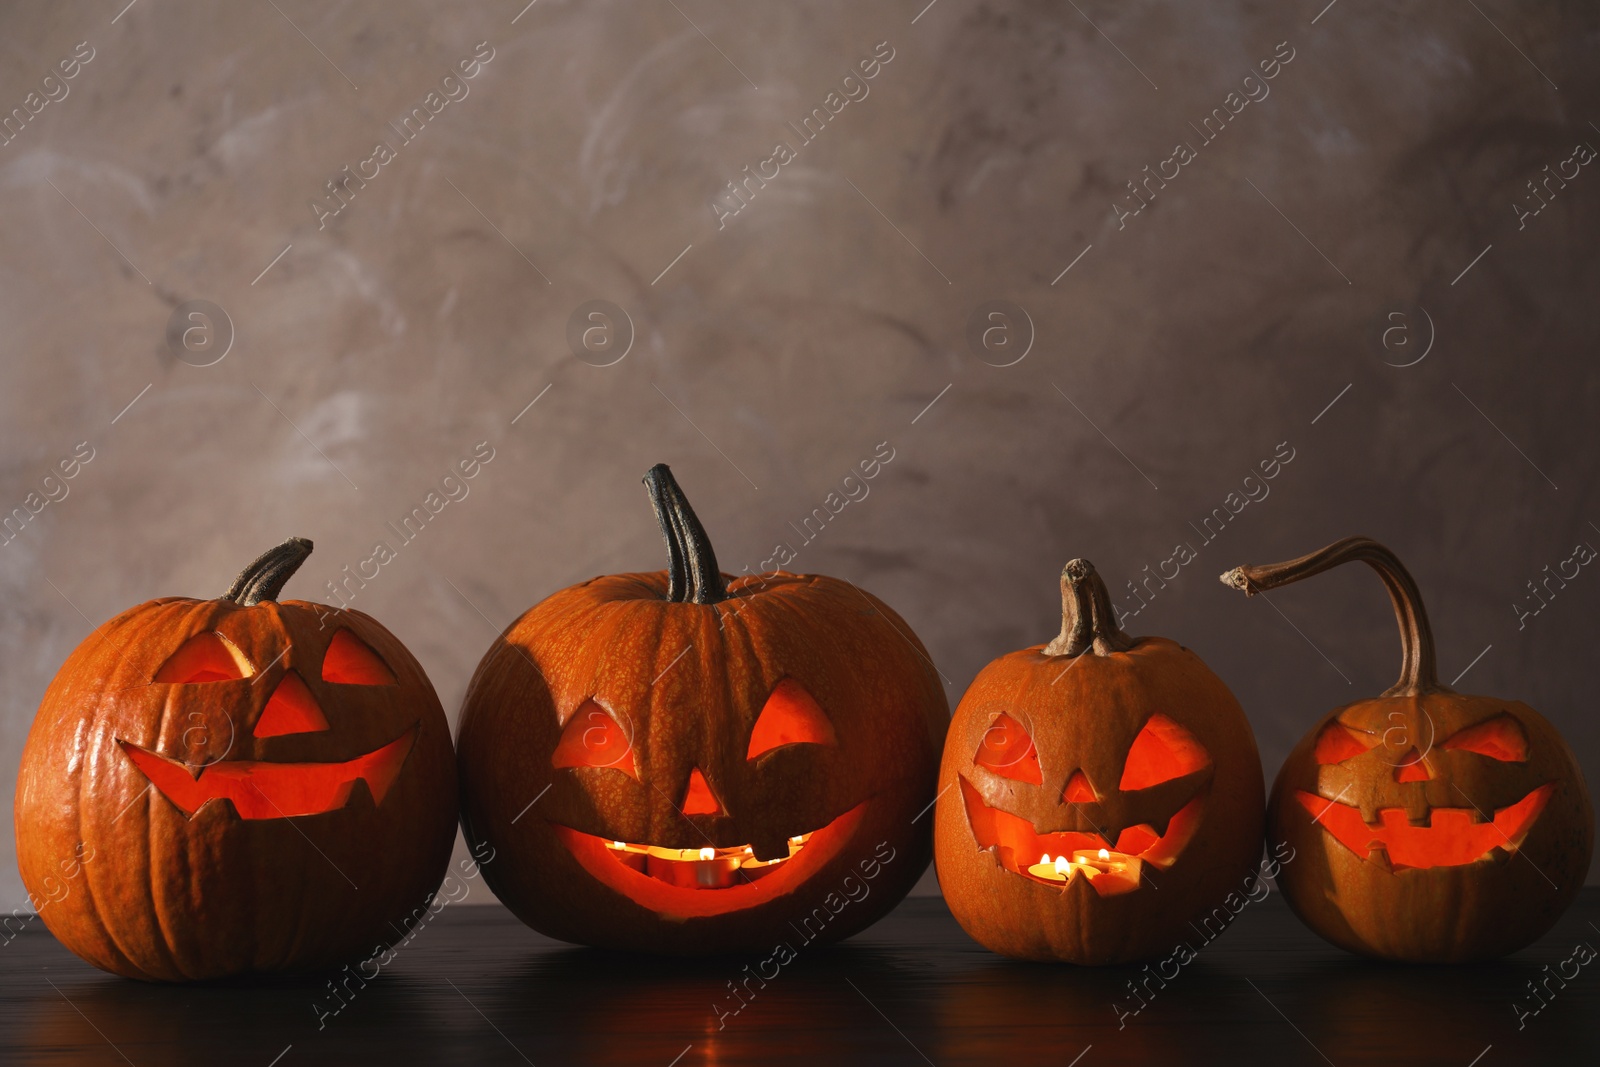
1105 854
708 853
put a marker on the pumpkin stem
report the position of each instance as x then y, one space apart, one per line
1087 619
1418 672
264 579
692 573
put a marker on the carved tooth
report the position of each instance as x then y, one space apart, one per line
1378 853
217 808
360 796
771 848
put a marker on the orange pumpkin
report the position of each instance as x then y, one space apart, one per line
1098 795
688 762
1428 825
220 787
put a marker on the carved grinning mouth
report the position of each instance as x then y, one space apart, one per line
1059 858
1452 837
688 883
264 790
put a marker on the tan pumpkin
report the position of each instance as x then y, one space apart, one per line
1098 794
1427 825
687 762
221 787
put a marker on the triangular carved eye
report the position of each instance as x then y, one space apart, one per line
349 661
1007 750
1162 751
592 738
207 657
1500 738
791 716
1338 742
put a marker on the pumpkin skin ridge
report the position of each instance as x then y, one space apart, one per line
754 597
212 615
149 932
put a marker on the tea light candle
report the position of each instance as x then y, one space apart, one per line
1092 863
1059 869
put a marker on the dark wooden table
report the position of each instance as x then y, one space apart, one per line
476 987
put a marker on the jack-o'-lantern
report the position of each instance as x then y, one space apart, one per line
686 762
1428 825
1098 794
242 785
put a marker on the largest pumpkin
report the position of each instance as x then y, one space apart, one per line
689 762
220 787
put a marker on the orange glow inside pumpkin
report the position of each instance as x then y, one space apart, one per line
1078 790
699 799
263 790
693 883
703 868
592 738
1162 751
1112 869
1500 738
1007 750
1411 768
291 710
349 661
1338 742
791 716
1450 837
206 657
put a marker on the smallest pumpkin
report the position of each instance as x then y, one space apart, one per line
1099 795
1428 826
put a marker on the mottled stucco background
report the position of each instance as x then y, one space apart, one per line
1360 216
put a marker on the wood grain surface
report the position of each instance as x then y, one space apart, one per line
476 987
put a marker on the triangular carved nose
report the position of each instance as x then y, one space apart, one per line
700 800
1412 769
291 710
1078 790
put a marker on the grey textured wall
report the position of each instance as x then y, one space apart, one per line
1358 211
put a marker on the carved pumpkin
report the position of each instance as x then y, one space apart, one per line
1097 795
250 785
1428 825
687 762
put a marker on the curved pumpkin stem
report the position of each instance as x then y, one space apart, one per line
1088 622
264 579
692 573
1418 670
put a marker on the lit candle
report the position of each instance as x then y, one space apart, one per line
1116 866
1059 869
